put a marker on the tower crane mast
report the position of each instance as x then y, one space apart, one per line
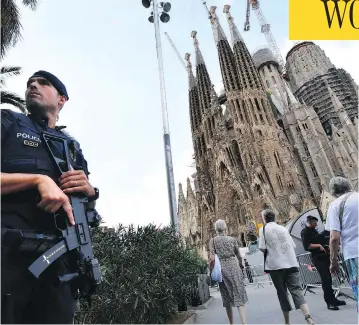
248 13
266 30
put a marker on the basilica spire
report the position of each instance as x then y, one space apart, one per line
235 34
226 58
248 74
194 108
217 29
203 79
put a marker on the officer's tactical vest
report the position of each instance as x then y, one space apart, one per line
22 151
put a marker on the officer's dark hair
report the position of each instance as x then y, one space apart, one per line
268 215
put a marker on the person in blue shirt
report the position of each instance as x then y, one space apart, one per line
31 192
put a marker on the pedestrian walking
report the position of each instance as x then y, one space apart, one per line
342 222
232 288
281 263
248 271
318 246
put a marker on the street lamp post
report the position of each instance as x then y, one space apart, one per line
154 18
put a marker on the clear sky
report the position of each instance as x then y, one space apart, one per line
106 56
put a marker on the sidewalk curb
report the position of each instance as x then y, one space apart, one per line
204 306
191 320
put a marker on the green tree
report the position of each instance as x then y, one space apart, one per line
8 97
10 35
11 24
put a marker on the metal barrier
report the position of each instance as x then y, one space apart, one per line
255 275
310 277
341 280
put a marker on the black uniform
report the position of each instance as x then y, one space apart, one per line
24 298
321 260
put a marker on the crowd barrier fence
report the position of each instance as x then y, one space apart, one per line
310 277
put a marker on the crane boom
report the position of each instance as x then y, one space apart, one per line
248 13
206 8
266 30
175 49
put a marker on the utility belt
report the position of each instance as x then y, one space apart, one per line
27 242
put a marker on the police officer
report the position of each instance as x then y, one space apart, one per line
317 245
31 192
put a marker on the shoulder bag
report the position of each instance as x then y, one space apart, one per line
216 273
341 209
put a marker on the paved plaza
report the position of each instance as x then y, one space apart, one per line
263 308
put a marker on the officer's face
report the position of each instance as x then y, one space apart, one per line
42 97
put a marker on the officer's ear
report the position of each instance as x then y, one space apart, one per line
61 101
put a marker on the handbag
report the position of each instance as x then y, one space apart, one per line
216 270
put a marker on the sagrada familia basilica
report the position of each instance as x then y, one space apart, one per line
266 141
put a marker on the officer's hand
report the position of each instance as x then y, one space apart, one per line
52 198
321 248
75 181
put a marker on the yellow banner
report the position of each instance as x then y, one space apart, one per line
324 19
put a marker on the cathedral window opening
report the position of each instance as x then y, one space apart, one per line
279 182
204 144
277 159
258 189
297 128
306 150
261 118
237 154
314 171
257 105
267 83
210 127
320 188
269 68
213 123
223 170
273 79
231 159
259 133
265 110
305 126
261 178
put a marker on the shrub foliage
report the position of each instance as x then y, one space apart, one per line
146 273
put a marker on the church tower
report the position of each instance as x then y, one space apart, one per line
273 174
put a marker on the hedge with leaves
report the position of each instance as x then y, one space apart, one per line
147 272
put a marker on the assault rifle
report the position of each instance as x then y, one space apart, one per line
76 241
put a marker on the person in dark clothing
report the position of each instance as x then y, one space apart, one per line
248 271
31 193
317 244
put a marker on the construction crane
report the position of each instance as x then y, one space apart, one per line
175 49
206 8
265 29
247 24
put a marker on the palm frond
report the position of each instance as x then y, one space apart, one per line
11 70
14 100
10 25
30 3
8 71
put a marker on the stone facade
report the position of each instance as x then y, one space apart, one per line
248 158
244 161
310 72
